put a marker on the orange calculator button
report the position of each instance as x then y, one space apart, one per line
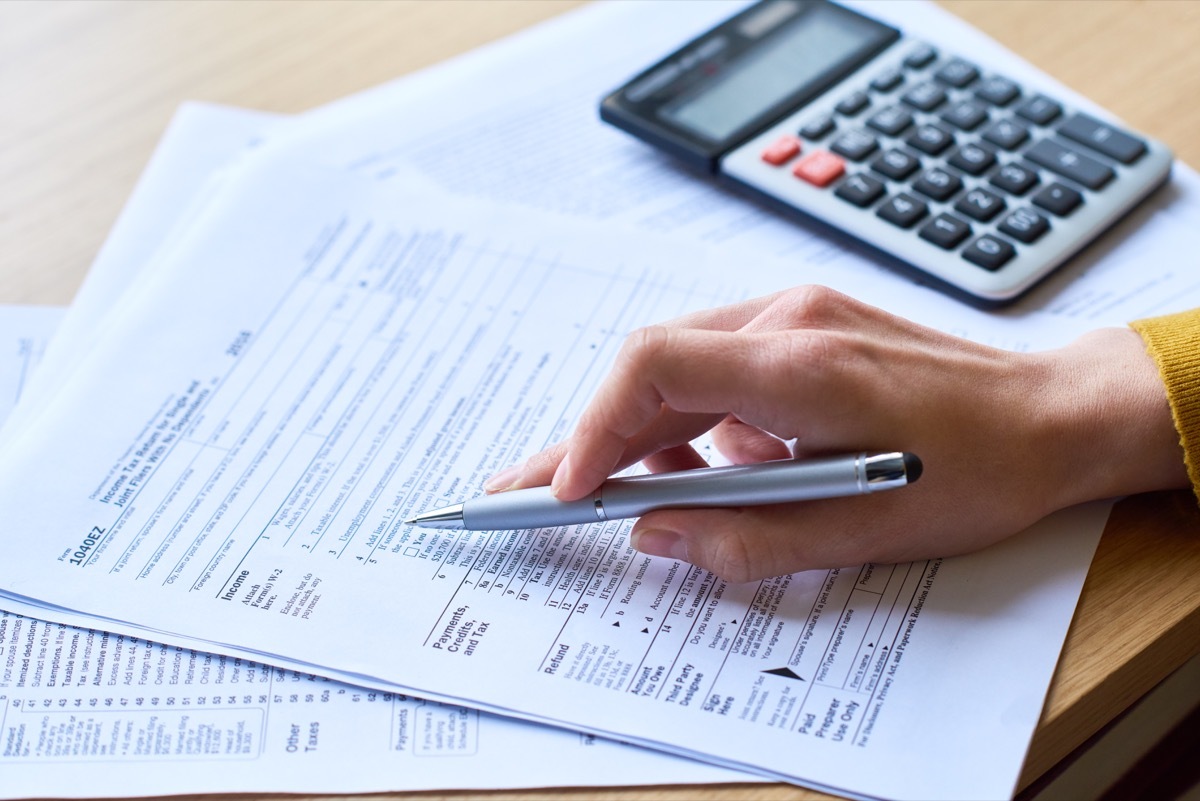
782 150
819 168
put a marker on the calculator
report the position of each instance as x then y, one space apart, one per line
979 183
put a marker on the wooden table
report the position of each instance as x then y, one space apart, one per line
86 89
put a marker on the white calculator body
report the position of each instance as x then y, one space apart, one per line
981 183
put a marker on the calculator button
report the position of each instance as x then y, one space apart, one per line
1006 134
1014 179
903 210
890 121
855 145
852 104
980 204
1039 110
930 139
925 96
1024 224
1104 138
819 168
973 159
957 73
966 114
782 150
819 128
938 184
861 190
1070 164
920 57
887 81
989 252
945 230
896 164
1058 199
997 91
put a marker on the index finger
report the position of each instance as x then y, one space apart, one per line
687 371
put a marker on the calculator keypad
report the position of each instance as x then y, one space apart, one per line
968 163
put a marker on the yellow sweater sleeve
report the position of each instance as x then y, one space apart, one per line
1173 341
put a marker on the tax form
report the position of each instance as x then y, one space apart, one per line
135 717
173 712
322 356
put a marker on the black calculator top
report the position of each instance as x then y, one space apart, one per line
730 83
977 183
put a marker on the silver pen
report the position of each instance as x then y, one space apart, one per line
783 481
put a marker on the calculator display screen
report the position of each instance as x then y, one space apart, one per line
784 64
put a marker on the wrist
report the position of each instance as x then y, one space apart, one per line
1108 420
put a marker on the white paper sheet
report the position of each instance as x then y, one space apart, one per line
517 122
257 722
133 717
329 355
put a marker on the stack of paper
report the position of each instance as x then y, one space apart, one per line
327 323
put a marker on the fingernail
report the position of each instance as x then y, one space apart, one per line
504 479
657 542
560 474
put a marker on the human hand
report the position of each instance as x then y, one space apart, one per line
1005 438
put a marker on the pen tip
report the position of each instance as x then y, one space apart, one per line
410 521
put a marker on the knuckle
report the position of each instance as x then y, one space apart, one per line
645 344
815 306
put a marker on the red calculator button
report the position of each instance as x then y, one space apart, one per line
782 150
819 168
